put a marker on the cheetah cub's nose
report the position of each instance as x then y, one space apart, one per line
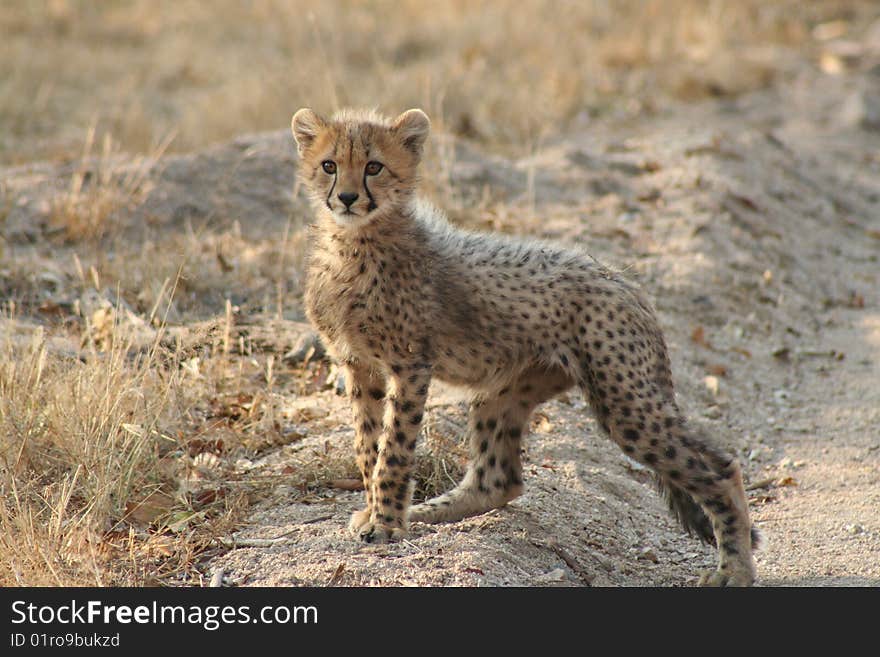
348 198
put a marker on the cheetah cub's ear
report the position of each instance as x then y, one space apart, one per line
305 126
412 127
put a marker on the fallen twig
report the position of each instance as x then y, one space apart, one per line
233 543
569 560
337 575
314 520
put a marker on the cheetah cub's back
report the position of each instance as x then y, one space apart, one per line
400 296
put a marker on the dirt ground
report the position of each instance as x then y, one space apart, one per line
753 223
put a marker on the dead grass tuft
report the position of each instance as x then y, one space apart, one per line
101 187
85 442
77 443
508 77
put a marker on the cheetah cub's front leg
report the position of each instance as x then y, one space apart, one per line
386 465
366 391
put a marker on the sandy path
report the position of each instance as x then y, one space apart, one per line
825 531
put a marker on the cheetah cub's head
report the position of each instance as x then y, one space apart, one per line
359 166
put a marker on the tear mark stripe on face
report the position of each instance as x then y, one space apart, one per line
332 187
372 204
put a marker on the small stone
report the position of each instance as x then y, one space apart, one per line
861 109
758 452
308 347
830 30
635 465
283 491
648 554
855 529
556 575
711 383
713 413
339 384
781 395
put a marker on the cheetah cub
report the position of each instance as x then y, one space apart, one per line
400 296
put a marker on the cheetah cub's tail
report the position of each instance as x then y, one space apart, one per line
692 517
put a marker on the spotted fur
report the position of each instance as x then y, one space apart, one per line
401 297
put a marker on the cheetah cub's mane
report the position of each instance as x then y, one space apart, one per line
400 297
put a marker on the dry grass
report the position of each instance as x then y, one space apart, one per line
101 188
117 465
117 459
80 441
144 69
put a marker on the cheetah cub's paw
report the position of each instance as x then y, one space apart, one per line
743 577
372 531
376 533
358 520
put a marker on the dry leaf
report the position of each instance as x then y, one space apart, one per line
224 264
717 370
650 196
52 308
208 496
783 354
698 336
161 546
153 506
346 484
830 30
183 520
746 201
308 414
198 446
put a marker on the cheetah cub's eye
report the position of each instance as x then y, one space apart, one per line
374 167
329 166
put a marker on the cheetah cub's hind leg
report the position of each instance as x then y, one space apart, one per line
702 484
496 426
